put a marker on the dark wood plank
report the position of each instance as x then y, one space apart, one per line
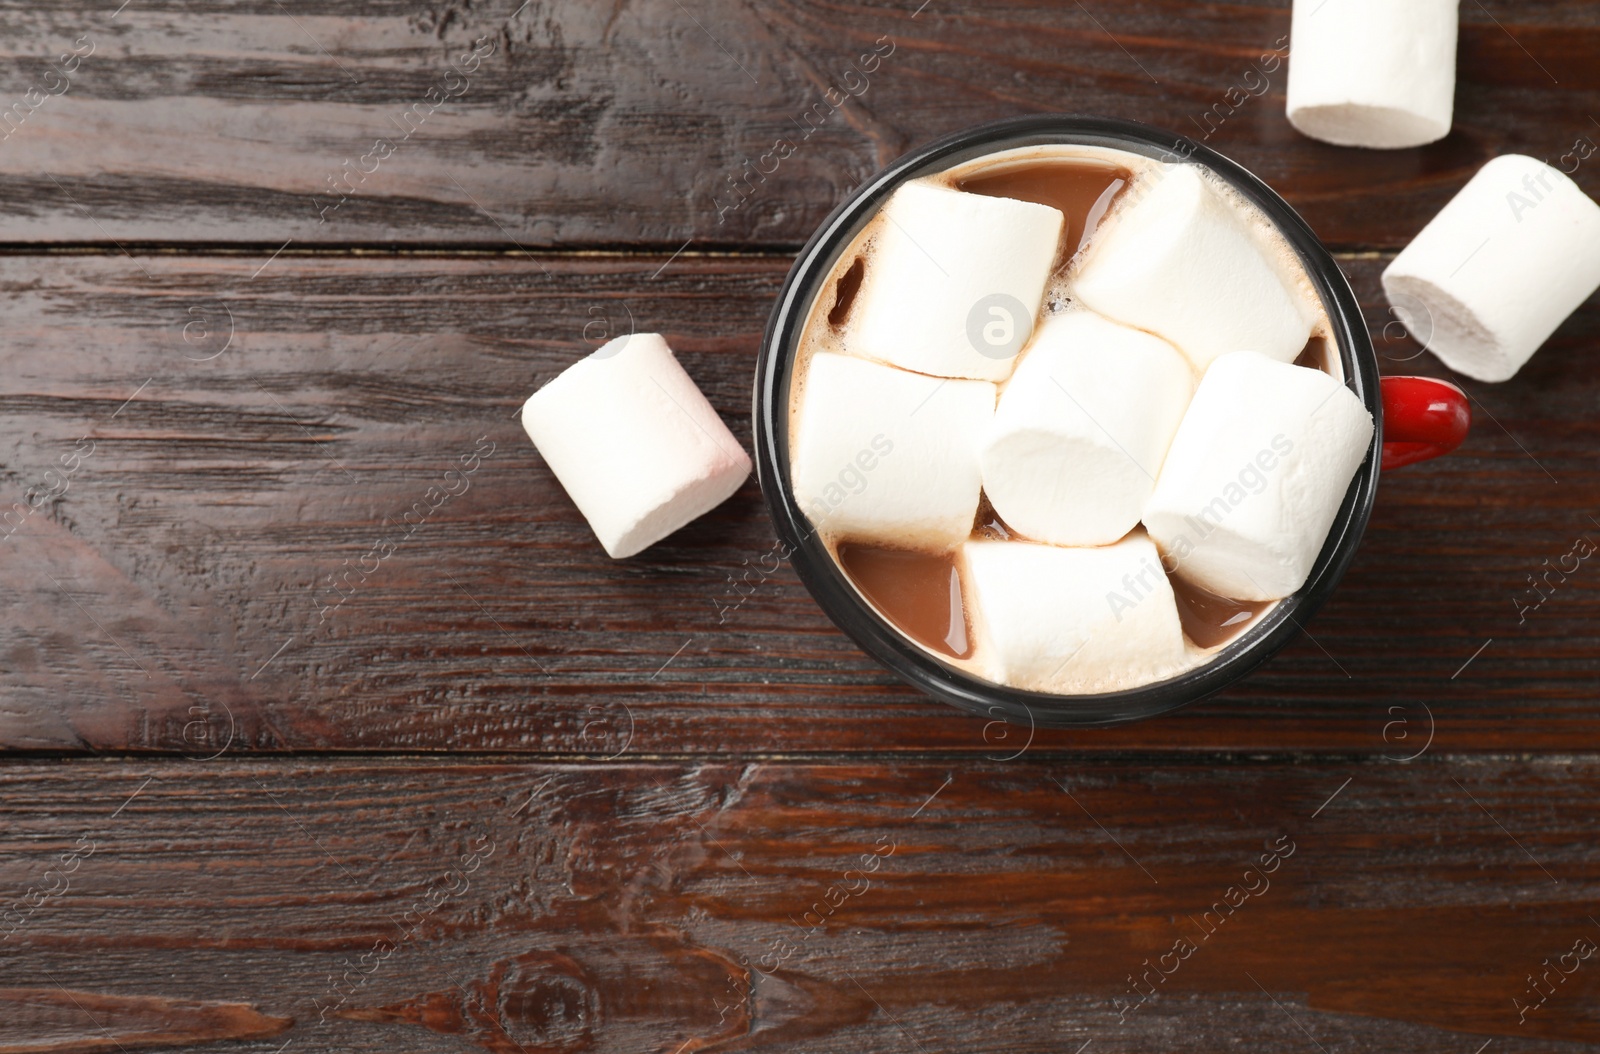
881 906
623 123
173 592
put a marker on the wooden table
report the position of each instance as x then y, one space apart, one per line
299 754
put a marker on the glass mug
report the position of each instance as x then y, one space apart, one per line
1416 418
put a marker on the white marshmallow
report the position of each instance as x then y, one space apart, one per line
634 442
1179 261
1255 476
880 453
1374 73
1082 429
1052 619
949 266
1499 268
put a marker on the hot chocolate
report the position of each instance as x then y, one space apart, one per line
997 380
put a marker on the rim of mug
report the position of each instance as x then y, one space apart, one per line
848 610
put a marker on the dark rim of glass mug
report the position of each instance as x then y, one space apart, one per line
839 599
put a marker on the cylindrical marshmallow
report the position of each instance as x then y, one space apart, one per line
1082 428
888 455
634 442
1255 476
954 282
1373 73
1499 268
1176 259
1052 619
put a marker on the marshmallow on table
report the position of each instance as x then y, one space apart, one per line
1053 619
954 281
885 454
1499 268
1082 429
1255 476
1179 261
634 443
1374 73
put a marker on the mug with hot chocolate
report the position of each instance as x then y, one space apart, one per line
1071 421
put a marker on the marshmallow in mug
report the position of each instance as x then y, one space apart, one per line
1054 619
1499 268
887 454
1256 475
1177 260
634 442
944 261
1373 73
1082 429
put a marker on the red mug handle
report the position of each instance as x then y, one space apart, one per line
1422 418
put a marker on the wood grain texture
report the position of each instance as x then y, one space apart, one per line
873 905
237 560
621 123
60 1020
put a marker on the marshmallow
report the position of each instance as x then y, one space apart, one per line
1255 476
954 282
635 444
1499 268
1179 261
1082 429
880 453
1375 73
1061 620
